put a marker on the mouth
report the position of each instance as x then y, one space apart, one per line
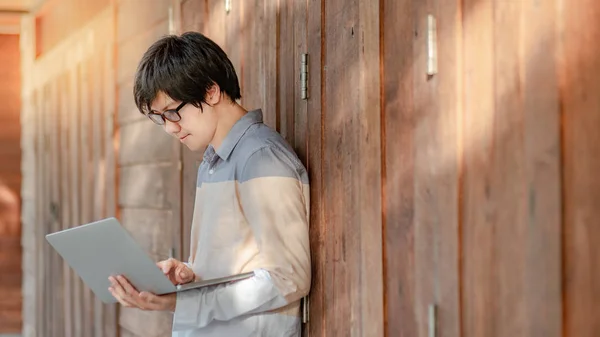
184 137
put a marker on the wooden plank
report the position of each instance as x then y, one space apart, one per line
128 29
320 263
544 289
45 200
75 184
131 52
259 69
369 219
233 29
145 142
99 170
127 111
447 125
65 192
87 178
507 199
193 15
109 121
354 214
398 168
56 198
215 28
287 63
581 191
427 173
479 286
300 112
146 186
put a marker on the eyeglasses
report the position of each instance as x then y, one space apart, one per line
167 115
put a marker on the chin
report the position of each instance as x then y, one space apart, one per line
195 147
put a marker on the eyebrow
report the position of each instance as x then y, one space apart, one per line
164 108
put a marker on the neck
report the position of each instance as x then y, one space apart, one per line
228 114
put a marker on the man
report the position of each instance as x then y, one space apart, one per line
252 199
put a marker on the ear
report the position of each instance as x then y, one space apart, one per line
213 95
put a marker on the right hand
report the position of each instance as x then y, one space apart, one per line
176 271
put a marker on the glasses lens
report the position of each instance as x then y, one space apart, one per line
172 115
156 119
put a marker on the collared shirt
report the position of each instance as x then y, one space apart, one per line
251 214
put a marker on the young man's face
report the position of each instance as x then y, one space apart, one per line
196 128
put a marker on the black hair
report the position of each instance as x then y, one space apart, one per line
184 67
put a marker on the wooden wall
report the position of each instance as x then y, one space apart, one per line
10 186
472 191
149 159
469 191
68 168
488 190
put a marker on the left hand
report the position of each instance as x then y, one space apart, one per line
129 297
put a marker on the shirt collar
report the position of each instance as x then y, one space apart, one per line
234 135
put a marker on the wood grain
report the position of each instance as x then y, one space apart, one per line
144 142
398 168
319 313
352 167
544 213
581 190
134 17
478 260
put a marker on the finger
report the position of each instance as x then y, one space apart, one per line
151 301
120 299
126 291
168 265
117 290
184 274
129 289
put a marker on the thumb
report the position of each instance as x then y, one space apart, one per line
166 266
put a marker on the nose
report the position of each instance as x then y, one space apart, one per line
172 128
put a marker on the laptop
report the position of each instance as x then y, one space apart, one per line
103 248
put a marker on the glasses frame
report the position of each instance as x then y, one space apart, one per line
171 112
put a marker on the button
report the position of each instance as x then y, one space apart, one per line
211 171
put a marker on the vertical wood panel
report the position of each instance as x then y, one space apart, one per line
544 212
369 181
108 137
57 155
259 47
45 193
75 116
299 26
352 194
507 199
320 267
87 177
478 286
339 175
428 171
580 106
398 168
285 60
65 192
98 186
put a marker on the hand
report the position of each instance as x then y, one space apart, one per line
129 297
176 271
